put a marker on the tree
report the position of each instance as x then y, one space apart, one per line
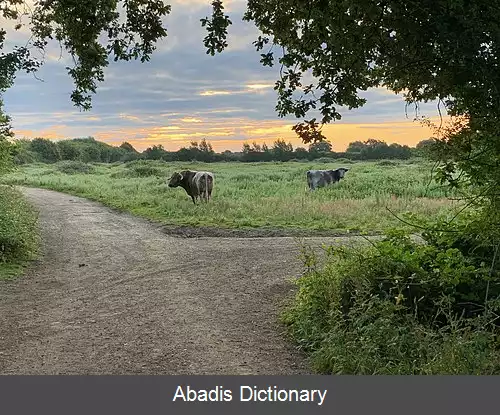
281 150
206 147
69 150
425 147
301 153
205 151
355 147
47 150
155 152
320 149
128 147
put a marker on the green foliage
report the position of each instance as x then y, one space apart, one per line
5 155
426 148
47 150
128 148
376 149
22 153
144 171
320 149
351 46
18 231
75 167
398 307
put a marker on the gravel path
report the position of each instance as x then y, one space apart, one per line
113 294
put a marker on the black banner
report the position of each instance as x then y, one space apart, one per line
152 395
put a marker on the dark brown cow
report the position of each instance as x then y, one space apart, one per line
197 184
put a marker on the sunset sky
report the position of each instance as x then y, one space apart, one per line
183 94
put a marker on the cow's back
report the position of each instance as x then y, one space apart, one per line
204 181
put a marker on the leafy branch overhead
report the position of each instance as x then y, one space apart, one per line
92 31
427 49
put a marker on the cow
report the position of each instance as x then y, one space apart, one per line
197 184
321 178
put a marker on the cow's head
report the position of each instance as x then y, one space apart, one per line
342 172
175 180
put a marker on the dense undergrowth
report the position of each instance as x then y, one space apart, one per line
18 232
401 306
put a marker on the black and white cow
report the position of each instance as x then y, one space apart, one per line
321 178
197 184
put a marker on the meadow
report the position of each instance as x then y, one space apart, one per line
255 195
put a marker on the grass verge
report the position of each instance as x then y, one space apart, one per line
19 239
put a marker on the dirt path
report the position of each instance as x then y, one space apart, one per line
112 294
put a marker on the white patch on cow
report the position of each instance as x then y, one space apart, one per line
197 180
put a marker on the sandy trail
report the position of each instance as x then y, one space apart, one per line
113 294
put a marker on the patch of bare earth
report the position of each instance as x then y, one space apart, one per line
113 294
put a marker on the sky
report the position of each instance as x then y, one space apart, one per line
182 95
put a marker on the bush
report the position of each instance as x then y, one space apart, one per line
18 228
399 307
140 168
75 167
324 160
387 163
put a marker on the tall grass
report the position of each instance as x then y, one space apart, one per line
254 195
18 232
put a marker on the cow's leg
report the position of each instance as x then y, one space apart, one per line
192 197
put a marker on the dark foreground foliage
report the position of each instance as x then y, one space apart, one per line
402 306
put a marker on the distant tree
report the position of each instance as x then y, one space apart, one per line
355 147
398 151
47 150
252 153
156 152
426 147
256 147
206 147
320 149
205 152
128 147
69 150
281 150
301 153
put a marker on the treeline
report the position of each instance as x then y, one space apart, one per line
90 150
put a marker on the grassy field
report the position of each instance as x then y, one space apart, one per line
254 195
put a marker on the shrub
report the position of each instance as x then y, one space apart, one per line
325 160
387 163
75 167
18 227
400 307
